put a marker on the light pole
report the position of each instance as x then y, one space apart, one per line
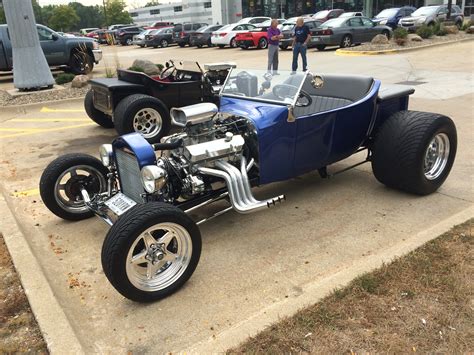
105 12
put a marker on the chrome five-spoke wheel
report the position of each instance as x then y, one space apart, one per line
436 156
148 122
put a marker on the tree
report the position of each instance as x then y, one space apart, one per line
152 3
116 12
89 16
2 16
64 18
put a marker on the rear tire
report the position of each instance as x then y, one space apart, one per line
320 47
66 201
94 114
181 45
143 114
414 151
173 260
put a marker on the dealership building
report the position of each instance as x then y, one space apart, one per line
230 11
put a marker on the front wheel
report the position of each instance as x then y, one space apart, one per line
80 62
94 114
143 114
151 251
233 43
414 151
62 180
164 43
346 41
262 43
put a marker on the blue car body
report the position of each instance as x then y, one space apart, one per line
392 21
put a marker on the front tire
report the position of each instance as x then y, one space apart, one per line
151 251
346 41
414 151
262 43
164 43
80 62
143 114
94 114
62 180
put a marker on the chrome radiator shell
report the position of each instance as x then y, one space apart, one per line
129 175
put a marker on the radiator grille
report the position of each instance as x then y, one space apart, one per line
129 174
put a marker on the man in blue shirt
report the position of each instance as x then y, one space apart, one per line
300 43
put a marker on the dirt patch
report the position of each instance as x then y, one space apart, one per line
422 302
19 331
43 95
410 44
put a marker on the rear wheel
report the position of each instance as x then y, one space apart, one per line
62 181
346 41
414 151
143 114
233 43
94 114
128 42
320 47
151 251
262 43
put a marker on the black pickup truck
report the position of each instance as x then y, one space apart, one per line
136 102
77 54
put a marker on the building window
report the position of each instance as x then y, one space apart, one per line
207 5
178 8
155 12
134 14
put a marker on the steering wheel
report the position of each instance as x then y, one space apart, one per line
304 95
167 72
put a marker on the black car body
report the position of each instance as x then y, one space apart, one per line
125 34
136 102
287 31
159 38
202 37
181 32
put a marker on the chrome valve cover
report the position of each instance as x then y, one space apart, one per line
219 148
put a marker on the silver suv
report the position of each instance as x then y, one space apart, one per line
430 15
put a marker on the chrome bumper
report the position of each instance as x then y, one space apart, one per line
97 55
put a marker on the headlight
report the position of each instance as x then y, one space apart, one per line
383 22
153 178
106 154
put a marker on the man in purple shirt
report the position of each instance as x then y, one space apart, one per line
274 35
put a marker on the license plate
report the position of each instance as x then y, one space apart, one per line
119 203
316 39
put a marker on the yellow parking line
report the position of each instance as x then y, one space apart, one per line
49 120
26 193
39 130
19 129
47 109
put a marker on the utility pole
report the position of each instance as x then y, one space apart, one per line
104 2
30 68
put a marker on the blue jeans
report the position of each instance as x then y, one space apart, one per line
299 48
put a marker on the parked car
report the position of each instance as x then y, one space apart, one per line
136 102
181 32
85 31
139 39
267 129
287 30
110 35
390 17
75 54
267 23
125 34
70 35
118 26
202 37
225 36
430 15
254 20
253 38
159 24
98 35
325 15
162 37
351 14
344 32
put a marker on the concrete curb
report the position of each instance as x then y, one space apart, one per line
19 109
315 291
345 52
54 325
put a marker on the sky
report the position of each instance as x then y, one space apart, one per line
130 3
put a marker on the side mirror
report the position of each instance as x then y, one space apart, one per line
54 37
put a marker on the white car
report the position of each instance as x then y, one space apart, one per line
351 14
254 20
226 35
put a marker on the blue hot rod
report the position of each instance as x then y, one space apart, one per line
267 129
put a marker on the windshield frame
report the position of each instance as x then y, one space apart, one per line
268 101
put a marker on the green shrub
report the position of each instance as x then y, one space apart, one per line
64 78
160 66
440 30
424 31
400 33
135 68
466 25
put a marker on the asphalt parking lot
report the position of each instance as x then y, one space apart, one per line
254 268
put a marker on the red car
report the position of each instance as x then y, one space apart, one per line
253 38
